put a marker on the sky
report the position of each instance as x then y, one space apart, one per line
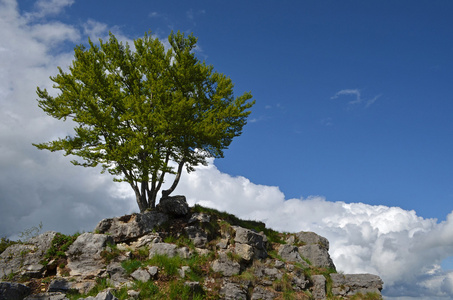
351 135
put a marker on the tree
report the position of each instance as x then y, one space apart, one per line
138 111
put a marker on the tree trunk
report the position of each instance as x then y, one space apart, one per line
166 193
141 199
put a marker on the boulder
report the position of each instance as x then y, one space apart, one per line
175 206
169 250
197 235
26 257
309 238
116 273
131 227
319 287
226 266
59 285
313 247
351 284
84 255
233 291
257 240
260 293
291 254
105 295
141 275
244 251
13 291
200 217
317 255
47 296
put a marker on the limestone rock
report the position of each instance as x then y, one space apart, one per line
257 240
13 291
291 254
141 275
116 273
106 295
200 217
131 227
84 255
245 251
319 287
26 257
59 285
47 296
226 266
317 255
260 293
163 249
350 284
197 235
175 206
309 238
233 291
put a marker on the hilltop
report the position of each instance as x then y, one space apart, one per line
178 252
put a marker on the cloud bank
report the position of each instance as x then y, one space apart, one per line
403 248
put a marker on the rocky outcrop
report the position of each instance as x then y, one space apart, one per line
25 259
174 206
84 255
235 261
131 227
351 284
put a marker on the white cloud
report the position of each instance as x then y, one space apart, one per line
45 8
403 248
400 246
357 97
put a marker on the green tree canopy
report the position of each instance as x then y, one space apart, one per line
137 111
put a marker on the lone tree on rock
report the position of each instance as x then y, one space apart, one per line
138 111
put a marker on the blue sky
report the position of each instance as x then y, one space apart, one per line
351 135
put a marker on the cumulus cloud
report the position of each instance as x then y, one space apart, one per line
403 248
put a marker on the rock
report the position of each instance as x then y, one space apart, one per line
13 291
163 249
84 255
200 217
184 252
245 251
197 235
117 274
153 270
351 284
183 270
226 266
131 227
194 286
175 206
272 273
106 295
317 255
257 240
319 287
141 274
313 247
310 238
59 285
19 257
260 293
291 254
47 296
146 240
34 271
233 291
